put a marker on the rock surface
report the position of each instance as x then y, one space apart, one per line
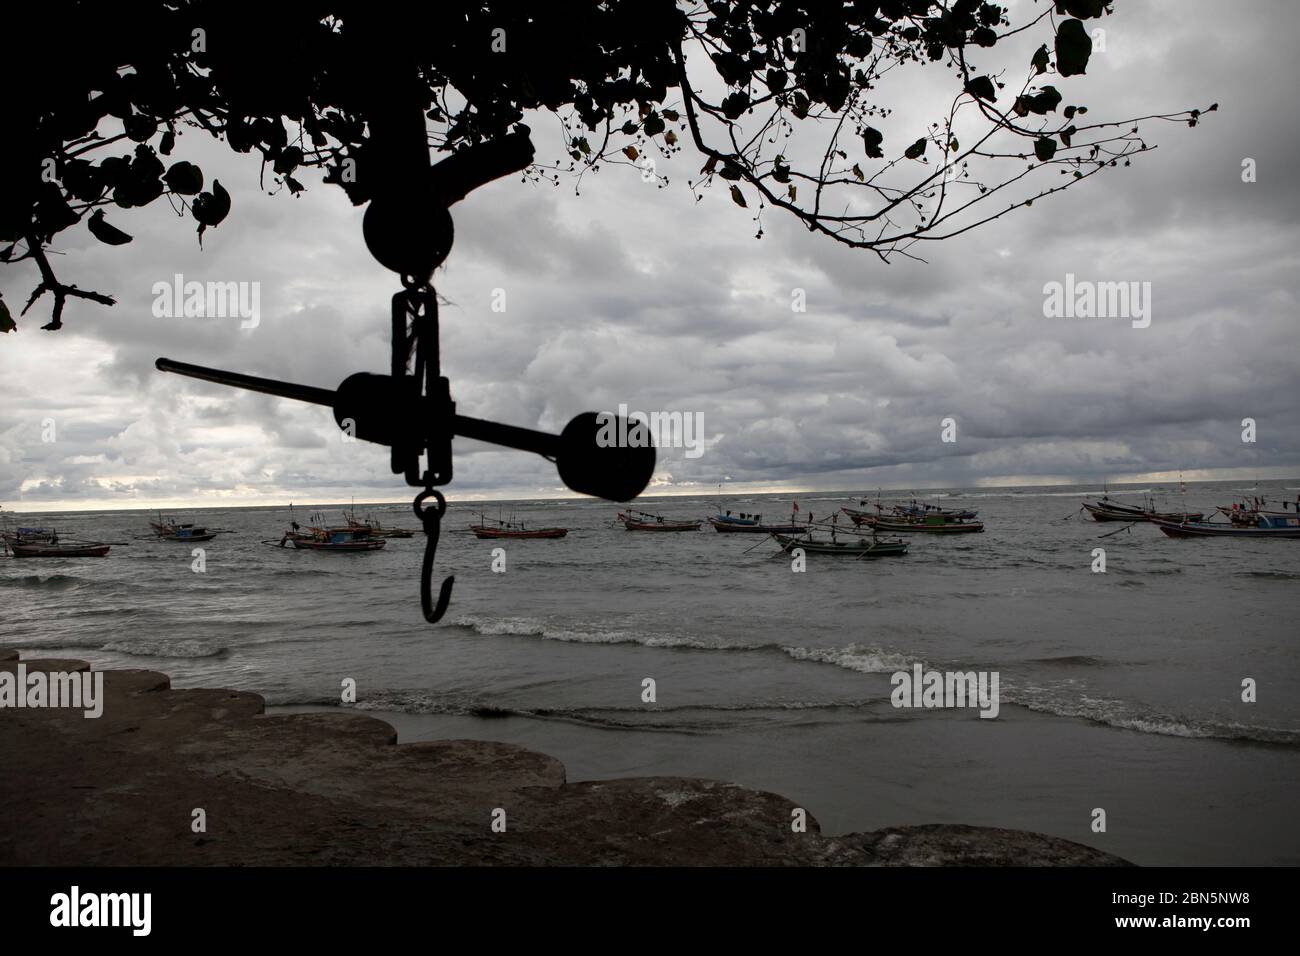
337 789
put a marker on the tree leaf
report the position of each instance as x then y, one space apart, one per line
184 178
1073 48
7 323
1044 148
983 88
917 149
872 139
738 197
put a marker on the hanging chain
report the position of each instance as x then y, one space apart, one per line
416 361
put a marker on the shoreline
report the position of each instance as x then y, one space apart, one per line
337 789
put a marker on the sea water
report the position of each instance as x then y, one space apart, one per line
1120 691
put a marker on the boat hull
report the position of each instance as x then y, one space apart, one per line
1100 513
58 550
860 548
731 527
504 533
1178 529
912 527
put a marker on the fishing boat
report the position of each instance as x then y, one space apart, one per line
29 535
376 529
930 523
332 539
169 530
1246 512
741 523
1267 526
647 521
53 547
512 529
922 509
861 546
1107 509
59 550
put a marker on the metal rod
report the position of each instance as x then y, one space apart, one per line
494 433
268 386
511 436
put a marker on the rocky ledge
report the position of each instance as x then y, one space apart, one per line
337 789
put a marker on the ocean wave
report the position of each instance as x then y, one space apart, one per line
163 647
529 627
1118 714
1069 660
53 582
680 718
864 660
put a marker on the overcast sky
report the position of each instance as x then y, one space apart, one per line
644 296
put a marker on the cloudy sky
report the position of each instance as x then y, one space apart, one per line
627 293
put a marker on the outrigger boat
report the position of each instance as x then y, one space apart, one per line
512 529
52 547
58 550
1266 526
940 523
646 521
169 530
324 538
728 523
1248 511
922 509
375 528
1107 510
859 544
332 539
29 536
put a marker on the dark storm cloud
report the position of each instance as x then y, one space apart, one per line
632 294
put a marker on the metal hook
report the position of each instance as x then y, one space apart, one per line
431 518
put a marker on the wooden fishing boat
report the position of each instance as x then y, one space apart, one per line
375 528
516 532
512 529
173 531
1107 510
646 521
345 540
726 527
726 522
58 549
1246 512
29 535
933 524
861 546
922 509
1268 526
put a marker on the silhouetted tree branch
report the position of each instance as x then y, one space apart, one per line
737 79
